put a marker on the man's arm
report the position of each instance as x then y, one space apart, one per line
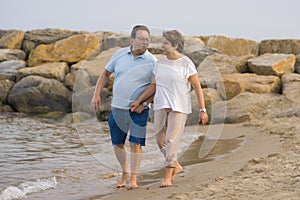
96 100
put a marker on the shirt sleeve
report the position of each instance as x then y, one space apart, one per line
191 69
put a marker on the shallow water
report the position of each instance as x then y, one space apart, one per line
48 160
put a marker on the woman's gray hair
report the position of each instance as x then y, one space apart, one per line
176 38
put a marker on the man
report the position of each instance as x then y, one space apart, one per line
133 68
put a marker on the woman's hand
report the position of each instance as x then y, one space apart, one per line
139 109
203 118
134 106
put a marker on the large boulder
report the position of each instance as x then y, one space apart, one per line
10 69
35 94
34 38
55 70
78 80
233 84
211 69
96 66
120 40
291 87
241 108
11 39
5 87
272 64
297 64
281 46
231 46
70 50
11 54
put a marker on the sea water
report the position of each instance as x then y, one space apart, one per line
41 159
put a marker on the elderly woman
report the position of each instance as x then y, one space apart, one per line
174 74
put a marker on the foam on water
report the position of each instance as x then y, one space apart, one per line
27 187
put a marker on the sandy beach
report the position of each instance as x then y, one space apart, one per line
265 166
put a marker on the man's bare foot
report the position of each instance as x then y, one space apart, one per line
132 186
121 183
166 183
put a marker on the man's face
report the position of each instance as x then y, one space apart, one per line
141 41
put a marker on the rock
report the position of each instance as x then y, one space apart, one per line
5 87
95 67
241 108
11 54
197 53
272 64
78 80
11 39
57 70
232 46
70 50
115 41
10 69
233 84
82 103
35 94
281 46
291 87
211 69
297 64
34 38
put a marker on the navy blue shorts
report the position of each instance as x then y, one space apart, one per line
121 121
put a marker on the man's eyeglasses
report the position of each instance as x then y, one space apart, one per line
143 39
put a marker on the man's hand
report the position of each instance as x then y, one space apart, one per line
96 101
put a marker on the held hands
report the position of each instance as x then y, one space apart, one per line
96 101
136 107
203 118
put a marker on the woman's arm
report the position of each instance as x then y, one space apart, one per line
147 96
195 82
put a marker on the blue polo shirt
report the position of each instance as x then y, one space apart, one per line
132 76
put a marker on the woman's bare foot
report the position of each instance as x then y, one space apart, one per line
121 183
178 169
166 183
168 177
132 186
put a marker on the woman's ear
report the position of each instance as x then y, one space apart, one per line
175 46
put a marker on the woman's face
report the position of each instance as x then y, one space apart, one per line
141 41
167 46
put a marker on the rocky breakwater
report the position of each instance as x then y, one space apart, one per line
55 71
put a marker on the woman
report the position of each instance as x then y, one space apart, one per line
174 74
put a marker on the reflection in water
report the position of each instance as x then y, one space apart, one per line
78 162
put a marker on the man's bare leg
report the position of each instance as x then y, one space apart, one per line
135 162
121 154
168 177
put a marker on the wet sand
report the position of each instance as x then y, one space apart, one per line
244 143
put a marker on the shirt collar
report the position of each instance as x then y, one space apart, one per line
140 56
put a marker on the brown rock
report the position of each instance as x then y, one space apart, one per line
291 87
70 50
57 71
36 94
12 39
286 46
232 46
233 84
272 64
